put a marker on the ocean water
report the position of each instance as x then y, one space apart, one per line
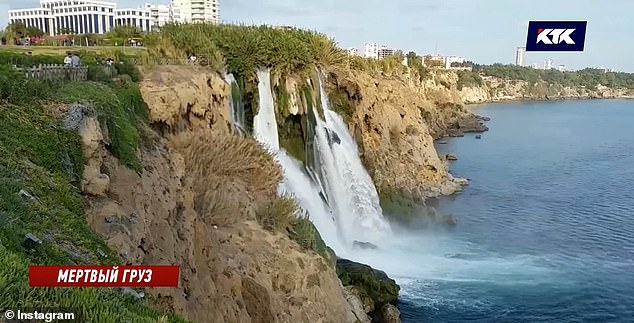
546 226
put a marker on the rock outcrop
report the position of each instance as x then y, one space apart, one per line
498 90
394 123
185 97
189 208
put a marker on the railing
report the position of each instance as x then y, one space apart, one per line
203 61
55 72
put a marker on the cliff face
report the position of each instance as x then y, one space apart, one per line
394 122
498 90
232 270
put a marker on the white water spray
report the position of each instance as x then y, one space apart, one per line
264 123
350 190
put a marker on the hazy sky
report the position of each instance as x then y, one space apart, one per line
485 31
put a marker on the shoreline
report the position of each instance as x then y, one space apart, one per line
555 99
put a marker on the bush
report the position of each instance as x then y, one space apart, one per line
15 88
278 215
246 48
222 168
18 59
469 79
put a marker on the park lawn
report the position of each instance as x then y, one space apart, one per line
61 50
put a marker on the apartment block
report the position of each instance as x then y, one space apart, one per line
198 11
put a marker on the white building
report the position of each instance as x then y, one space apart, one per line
520 56
371 50
78 16
385 51
139 17
353 51
561 68
87 16
198 11
163 14
452 59
548 64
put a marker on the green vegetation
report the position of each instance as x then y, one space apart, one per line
118 106
341 103
469 79
371 282
246 48
588 77
415 63
40 166
283 215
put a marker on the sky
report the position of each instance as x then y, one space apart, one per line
483 31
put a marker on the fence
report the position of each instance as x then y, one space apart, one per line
53 72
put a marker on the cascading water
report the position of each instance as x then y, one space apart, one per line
296 182
264 123
236 105
350 190
353 211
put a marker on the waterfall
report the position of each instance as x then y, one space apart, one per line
336 190
264 123
349 188
236 105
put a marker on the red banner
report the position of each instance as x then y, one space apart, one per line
103 276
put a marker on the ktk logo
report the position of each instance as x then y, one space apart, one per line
556 36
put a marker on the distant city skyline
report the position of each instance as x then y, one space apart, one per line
484 31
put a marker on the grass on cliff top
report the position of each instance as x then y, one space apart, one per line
46 162
40 168
245 48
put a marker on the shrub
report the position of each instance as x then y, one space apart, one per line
223 170
18 59
278 215
15 88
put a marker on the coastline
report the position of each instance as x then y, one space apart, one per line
471 105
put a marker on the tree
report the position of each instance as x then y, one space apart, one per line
18 28
124 32
34 32
412 58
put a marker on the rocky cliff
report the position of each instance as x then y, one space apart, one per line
497 90
395 120
194 204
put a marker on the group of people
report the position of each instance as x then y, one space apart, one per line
72 59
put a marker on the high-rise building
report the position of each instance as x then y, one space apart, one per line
385 51
371 50
198 11
520 56
162 14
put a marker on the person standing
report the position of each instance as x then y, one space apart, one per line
68 60
75 60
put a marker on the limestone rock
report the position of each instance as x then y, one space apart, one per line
93 181
186 97
389 314
359 310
